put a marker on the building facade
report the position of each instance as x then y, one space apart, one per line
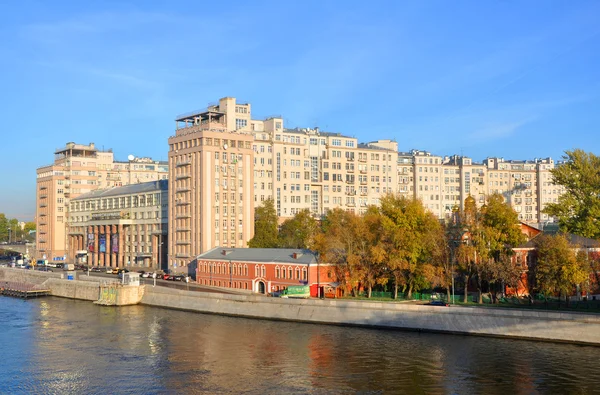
261 270
315 170
120 227
78 169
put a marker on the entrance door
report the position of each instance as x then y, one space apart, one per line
261 287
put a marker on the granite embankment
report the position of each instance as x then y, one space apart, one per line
498 322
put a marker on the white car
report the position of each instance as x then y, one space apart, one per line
109 270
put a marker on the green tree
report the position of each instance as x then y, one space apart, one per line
265 226
559 269
493 231
578 208
3 227
299 231
411 239
29 227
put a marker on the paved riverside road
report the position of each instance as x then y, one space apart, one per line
161 283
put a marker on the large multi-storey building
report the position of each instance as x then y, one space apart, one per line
78 169
120 227
316 170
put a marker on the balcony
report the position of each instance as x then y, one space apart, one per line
363 171
351 204
67 193
182 176
364 160
183 242
44 196
351 193
183 203
182 255
43 187
183 163
364 193
350 159
363 183
43 214
43 205
183 216
182 189
67 185
183 229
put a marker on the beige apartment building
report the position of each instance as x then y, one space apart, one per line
79 169
306 168
120 227
210 182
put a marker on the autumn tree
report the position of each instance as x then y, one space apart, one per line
265 226
559 269
464 250
339 244
299 231
500 233
578 208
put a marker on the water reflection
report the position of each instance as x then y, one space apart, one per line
64 346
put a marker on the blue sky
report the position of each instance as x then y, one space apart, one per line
515 79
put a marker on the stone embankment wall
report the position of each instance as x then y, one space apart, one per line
499 322
83 288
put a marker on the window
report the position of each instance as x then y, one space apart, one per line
240 123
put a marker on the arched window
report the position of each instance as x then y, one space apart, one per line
304 274
245 271
264 271
291 273
283 272
234 269
256 271
297 273
277 273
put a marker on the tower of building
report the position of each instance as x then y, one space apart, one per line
210 182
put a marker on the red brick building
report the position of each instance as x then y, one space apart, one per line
263 270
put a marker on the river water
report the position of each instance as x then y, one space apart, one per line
62 346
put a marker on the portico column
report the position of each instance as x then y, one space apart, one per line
120 247
96 236
107 254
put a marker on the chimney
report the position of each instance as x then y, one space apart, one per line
226 252
296 255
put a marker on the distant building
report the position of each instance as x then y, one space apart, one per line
262 270
120 227
78 169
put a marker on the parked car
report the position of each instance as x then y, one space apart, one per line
96 269
147 275
437 303
115 270
44 269
166 276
